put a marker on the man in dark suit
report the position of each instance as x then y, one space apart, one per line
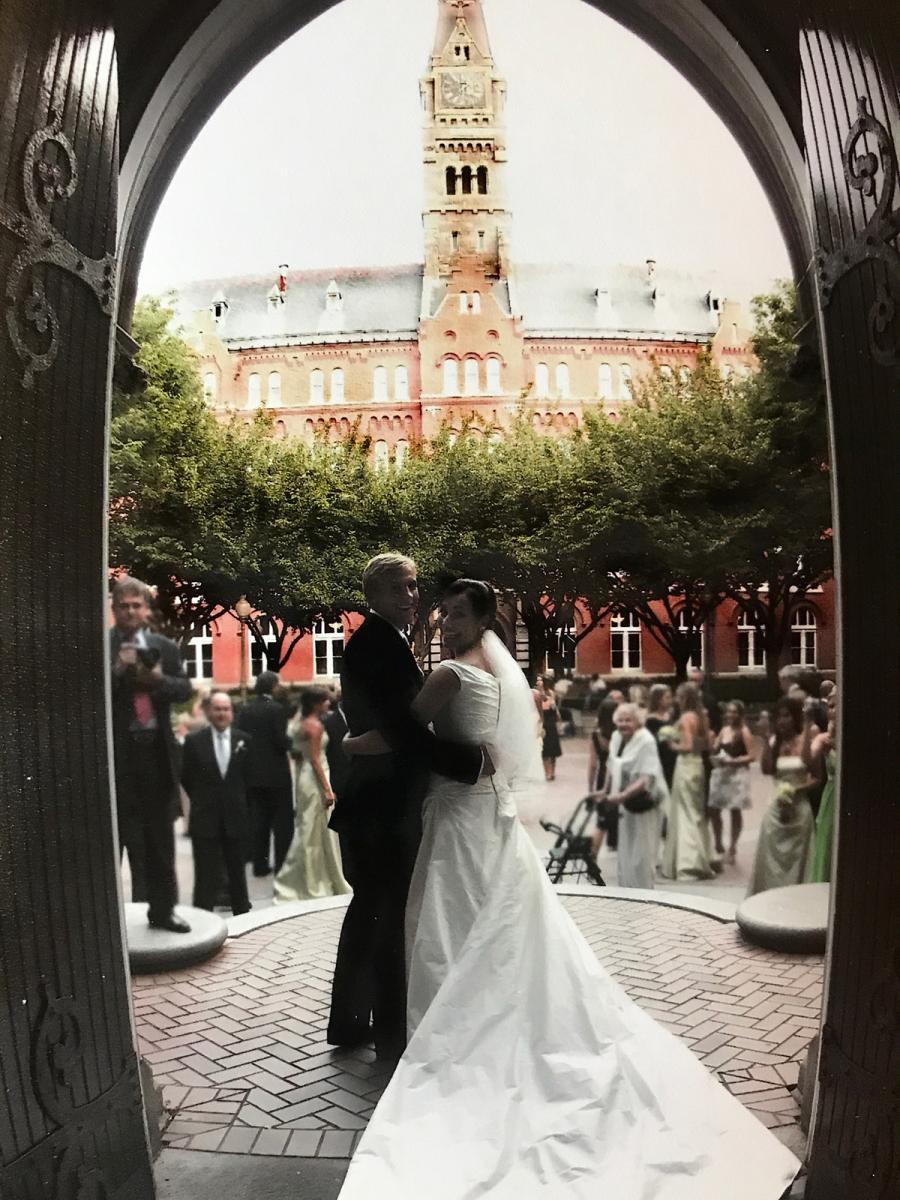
269 791
147 676
378 816
335 722
214 775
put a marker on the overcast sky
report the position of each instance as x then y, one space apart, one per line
315 158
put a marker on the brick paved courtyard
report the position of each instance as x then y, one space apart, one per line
238 1045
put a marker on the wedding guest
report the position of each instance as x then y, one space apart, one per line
729 786
551 748
820 756
784 851
312 869
658 722
269 775
598 753
697 676
688 851
638 694
635 784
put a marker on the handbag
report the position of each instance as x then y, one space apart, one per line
641 802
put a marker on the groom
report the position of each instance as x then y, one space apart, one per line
377 816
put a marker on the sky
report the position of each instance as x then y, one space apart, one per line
315 158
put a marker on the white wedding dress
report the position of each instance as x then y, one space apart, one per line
529 1073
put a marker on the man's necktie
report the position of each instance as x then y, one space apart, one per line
143 708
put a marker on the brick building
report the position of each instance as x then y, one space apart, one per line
469 332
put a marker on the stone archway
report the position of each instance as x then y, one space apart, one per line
811 76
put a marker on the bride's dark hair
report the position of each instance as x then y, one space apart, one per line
481 597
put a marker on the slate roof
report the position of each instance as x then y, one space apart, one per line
384 303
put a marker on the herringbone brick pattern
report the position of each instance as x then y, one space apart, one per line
238 1045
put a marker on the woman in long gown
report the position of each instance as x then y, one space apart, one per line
551 748
784 851
312 869
688 851
729 784
529 1073
821 758
634 771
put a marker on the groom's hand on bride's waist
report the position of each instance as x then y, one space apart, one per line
487 764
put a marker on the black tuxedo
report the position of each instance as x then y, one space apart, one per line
219 816
338 760
146 769
378 820
269 791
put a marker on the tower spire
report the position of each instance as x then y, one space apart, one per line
450 14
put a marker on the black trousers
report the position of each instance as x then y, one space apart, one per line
271 814
146 825
370 972
209 855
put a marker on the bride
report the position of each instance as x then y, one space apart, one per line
528 1071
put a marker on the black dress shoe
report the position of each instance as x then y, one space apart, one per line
261 870
359 1035
172 923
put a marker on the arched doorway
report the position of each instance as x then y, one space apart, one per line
811 96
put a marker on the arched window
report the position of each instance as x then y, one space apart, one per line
625 380
476 302
751 652
401 382
337 385
604 381
684 374
451 377
625 642
451 181
381 457
696 659
463 302
803 636
254 391
209 387
482 181
274 399
665 372
467 181
316 386
542 380
494 383
472 377
401 451
726 371
380 384
562 380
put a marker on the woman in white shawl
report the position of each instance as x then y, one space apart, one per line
634 774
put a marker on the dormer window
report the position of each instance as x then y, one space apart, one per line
219 308
713 302
334 301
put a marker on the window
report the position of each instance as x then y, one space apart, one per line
454 239
328 649
467 181
451 181
625 642
684 374
561 652
381 456
401 383
625 380
209 387
481 239
803 637
696 659
435 652
337 385
380 383
316 386
258 660
542 380
494 383
751 653
401 452
604 381
451 377
482 181
463 302
726 372
562 380
254 391
665 372
274 398
476 302
198 662
472 377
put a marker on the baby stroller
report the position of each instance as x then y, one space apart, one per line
570 855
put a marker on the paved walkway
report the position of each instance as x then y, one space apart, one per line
238 1045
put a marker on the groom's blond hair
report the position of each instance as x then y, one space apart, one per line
382 565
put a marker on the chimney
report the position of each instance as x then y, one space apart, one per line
651 270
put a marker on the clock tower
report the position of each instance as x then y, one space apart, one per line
466 221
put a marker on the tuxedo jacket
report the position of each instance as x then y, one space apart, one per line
338 760
266 721
380 678
173 687
217 805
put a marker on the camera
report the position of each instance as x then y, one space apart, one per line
148 656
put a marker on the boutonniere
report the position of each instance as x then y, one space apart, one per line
240 747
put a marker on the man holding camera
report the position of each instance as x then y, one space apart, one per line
147 675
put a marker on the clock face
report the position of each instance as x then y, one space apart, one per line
462 89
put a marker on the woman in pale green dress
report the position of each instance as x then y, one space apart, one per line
822 761
784 851
688 850
312 869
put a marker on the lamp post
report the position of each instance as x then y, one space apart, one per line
243 609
